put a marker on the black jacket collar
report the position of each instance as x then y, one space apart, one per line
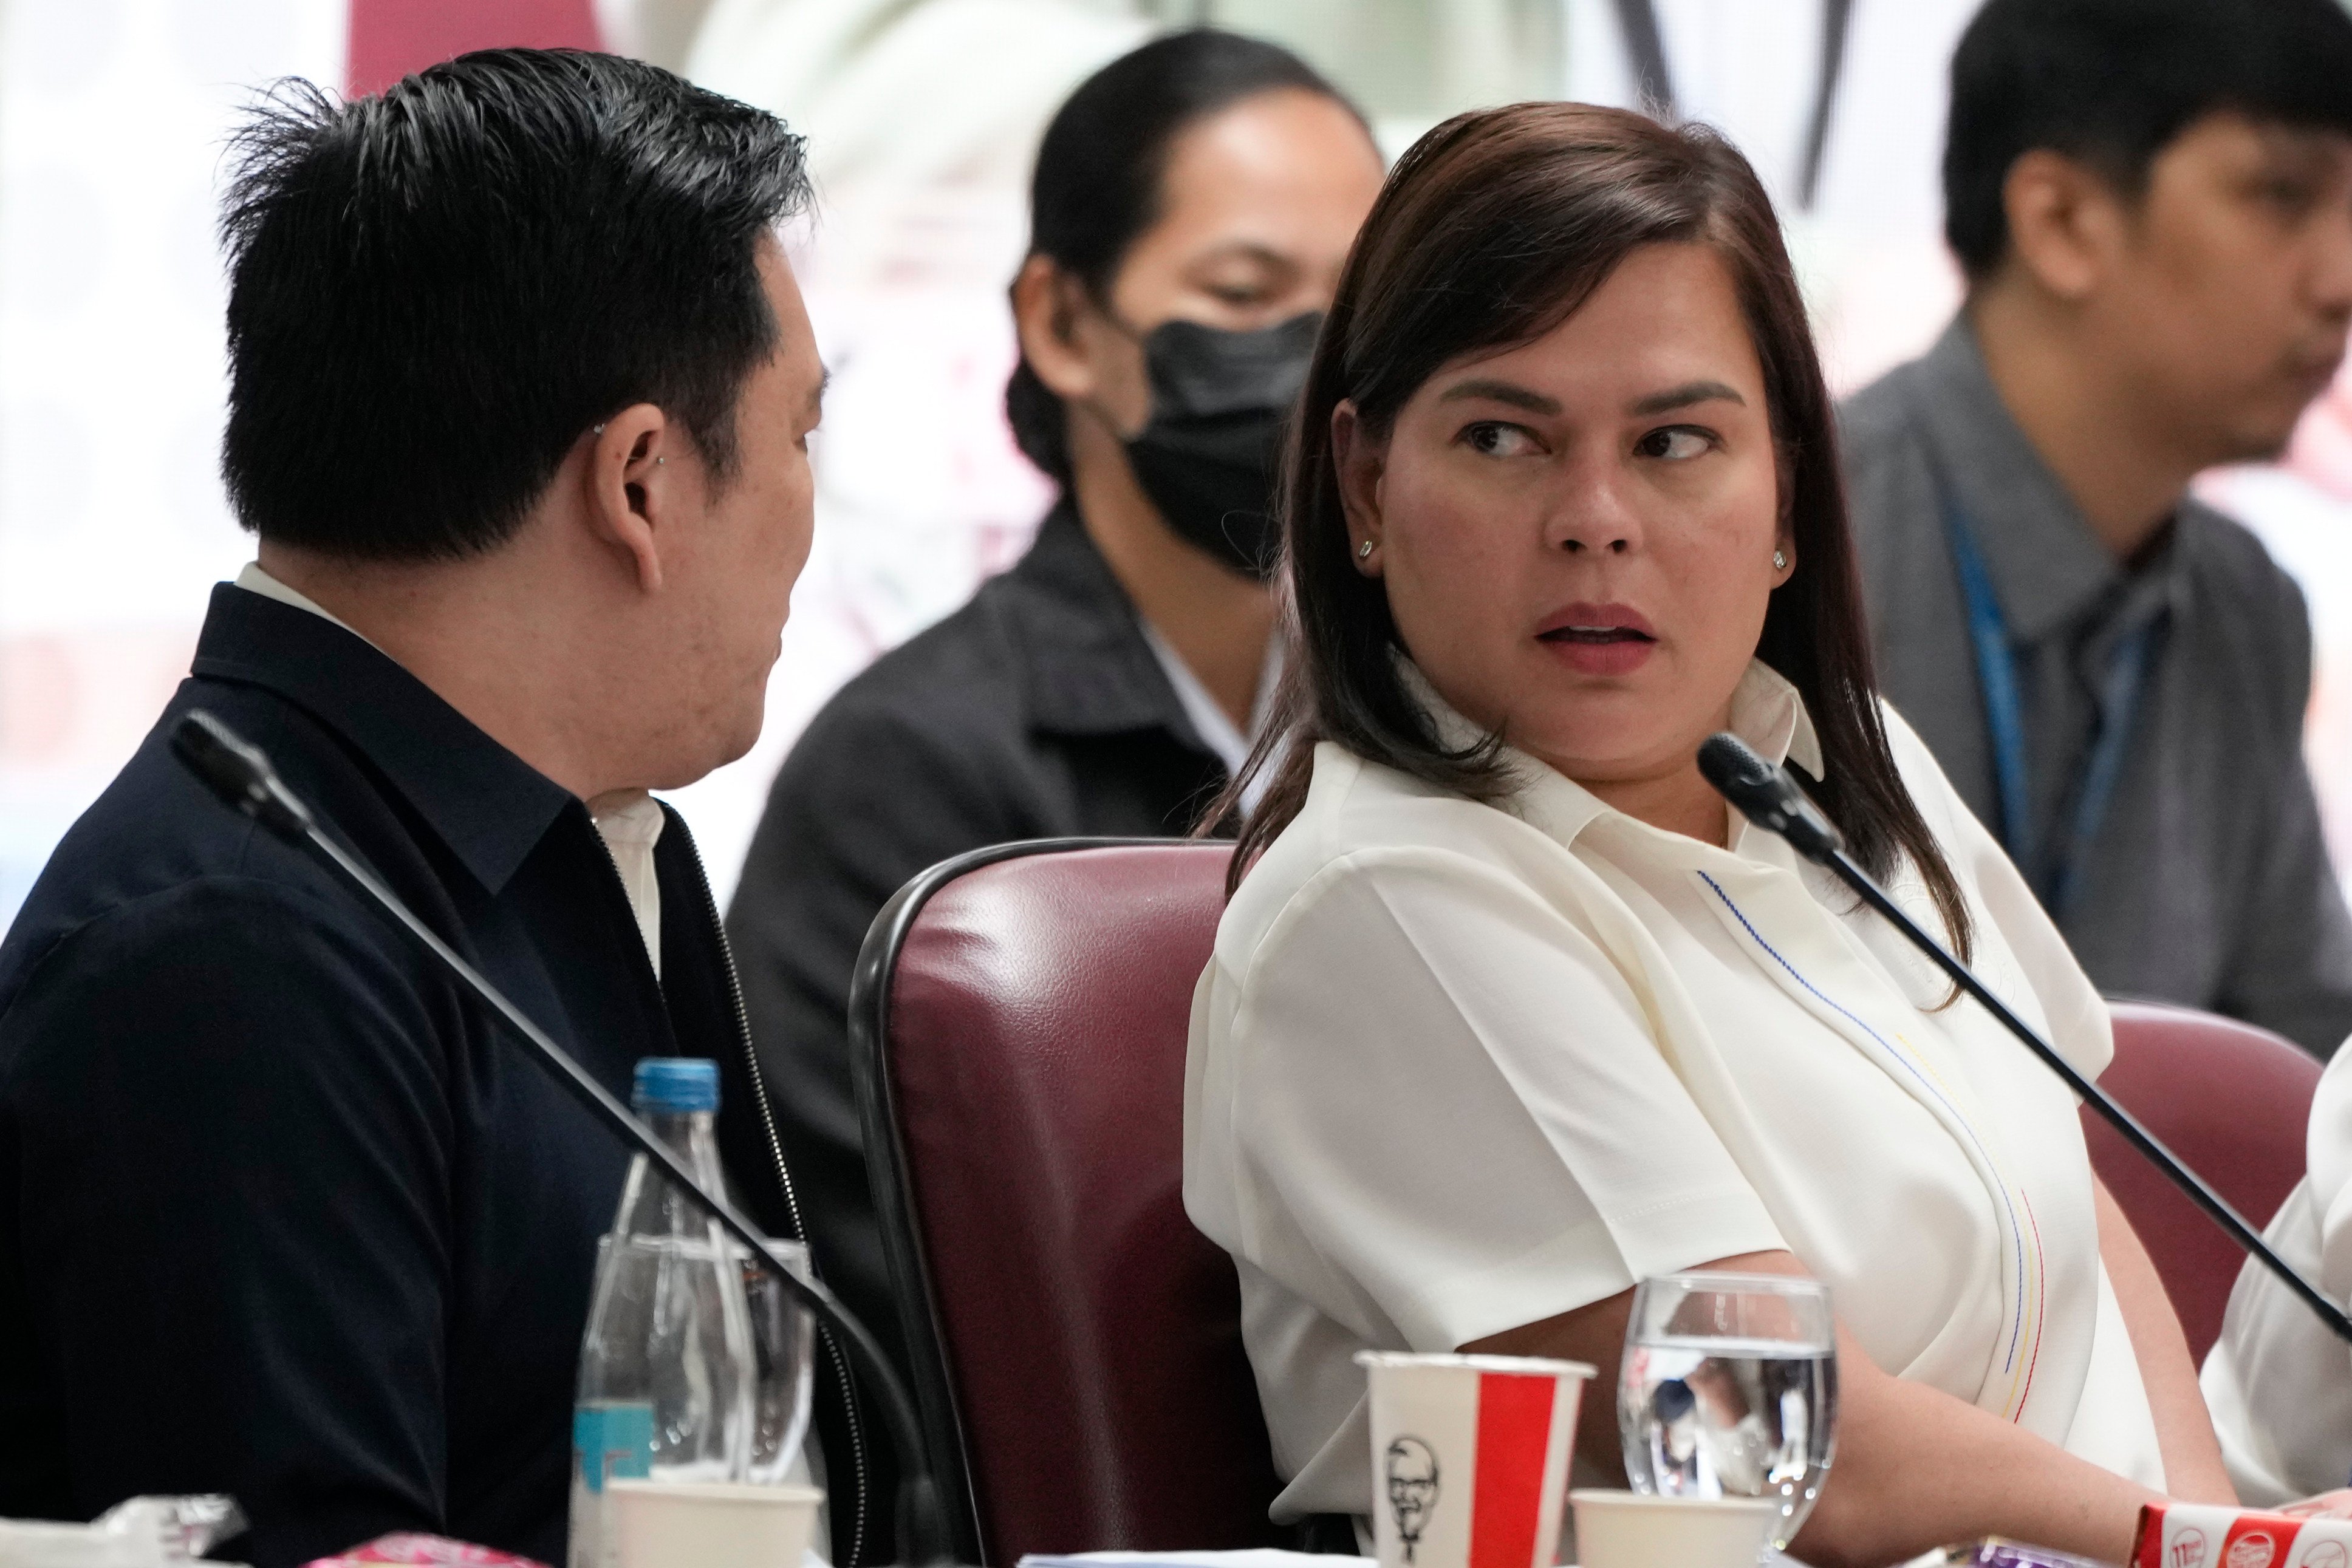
489 806
1087 670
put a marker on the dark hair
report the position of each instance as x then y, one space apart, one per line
433 291
2112 82
1494 228
1097 187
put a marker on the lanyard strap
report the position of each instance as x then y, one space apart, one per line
2119 697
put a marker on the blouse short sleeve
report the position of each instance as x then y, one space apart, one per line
1448 1116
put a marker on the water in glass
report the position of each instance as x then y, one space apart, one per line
1728 1388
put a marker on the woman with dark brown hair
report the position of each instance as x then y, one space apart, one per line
1507 1012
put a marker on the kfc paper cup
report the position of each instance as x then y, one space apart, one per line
1628 1529
710 1524
1470 1457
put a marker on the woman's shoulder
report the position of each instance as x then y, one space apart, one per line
1969 851
2018 948
1362 818
1924 778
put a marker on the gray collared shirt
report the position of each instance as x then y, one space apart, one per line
2208 882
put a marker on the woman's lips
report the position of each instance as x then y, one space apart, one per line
1599 639
1618 652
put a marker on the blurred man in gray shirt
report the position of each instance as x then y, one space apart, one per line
2152 200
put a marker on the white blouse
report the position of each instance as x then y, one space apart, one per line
1455 1069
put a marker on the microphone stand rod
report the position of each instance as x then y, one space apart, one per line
1767 797
242 775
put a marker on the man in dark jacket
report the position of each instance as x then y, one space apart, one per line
520 388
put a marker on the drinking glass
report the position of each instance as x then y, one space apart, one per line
1728 1388
783 1343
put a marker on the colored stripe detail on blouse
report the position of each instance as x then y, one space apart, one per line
2010 1196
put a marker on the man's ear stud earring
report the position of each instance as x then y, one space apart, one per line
1779 560
1364 550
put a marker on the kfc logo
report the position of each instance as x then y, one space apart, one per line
2328 1554
1413 1489
2253 1550
2187 1549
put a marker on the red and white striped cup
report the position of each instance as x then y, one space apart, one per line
1470 1457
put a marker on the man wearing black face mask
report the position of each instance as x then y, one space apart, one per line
1192 206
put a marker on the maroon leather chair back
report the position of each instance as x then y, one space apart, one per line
1019 1032
2233 1101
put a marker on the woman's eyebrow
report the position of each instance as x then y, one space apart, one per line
1500 392
1684 396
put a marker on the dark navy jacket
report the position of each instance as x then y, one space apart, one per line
281 1214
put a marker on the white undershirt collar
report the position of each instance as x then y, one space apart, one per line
630 830
1208 716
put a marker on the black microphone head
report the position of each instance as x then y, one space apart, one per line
1765 795
1738 773
238 772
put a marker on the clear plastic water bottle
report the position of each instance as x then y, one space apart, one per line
665 1388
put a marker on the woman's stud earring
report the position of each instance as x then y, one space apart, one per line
1779 560
1364 550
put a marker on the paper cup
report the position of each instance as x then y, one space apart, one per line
1630 1530
1470 1457
709 1525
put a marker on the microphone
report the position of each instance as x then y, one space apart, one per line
1769 797
242 776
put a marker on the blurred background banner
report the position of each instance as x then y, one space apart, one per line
390 38
922 117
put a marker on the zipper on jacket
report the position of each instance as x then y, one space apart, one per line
862 1485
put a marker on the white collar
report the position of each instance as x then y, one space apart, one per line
1765 711
1208 717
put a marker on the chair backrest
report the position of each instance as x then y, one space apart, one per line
2232 1101
1018 1031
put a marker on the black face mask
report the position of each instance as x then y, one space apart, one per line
1208 453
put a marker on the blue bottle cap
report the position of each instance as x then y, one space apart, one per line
675 1084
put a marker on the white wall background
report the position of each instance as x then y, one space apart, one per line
113 526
